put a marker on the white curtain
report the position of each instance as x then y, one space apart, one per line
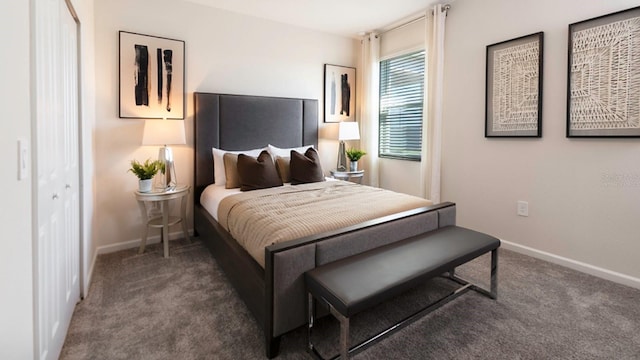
370 103
432 116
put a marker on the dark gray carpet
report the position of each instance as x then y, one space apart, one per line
148 307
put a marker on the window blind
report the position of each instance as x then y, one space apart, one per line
401 102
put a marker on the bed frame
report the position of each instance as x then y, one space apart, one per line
275 294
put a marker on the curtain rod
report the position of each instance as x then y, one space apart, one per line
445 8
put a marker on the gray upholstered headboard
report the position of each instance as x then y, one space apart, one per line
240 122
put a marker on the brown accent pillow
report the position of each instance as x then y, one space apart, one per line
282 164
257 173
305 168
231 170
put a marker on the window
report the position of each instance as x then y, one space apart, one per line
401 99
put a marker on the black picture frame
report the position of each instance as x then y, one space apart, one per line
603 76
339 93
151 77
513 101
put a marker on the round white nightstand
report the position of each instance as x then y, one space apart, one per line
163 221
348 175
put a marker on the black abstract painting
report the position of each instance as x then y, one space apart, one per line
168 54
143 77
339 93
159 74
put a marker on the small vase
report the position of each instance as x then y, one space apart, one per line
353 166
145 185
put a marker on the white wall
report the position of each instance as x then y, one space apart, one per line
225 52
577 212
16 281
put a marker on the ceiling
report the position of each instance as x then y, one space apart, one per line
340 17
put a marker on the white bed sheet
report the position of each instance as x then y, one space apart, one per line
213 195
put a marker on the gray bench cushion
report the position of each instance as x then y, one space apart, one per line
361 281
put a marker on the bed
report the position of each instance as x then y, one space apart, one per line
275 292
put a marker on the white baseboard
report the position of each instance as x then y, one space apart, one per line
573 264
105 249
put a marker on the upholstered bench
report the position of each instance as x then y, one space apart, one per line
351 285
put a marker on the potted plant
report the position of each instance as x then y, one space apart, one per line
145 172
354 155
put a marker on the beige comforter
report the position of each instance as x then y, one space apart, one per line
259 218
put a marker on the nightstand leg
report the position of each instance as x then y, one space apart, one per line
165 226
183 216
145 226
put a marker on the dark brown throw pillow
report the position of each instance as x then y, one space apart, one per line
305 168
257 173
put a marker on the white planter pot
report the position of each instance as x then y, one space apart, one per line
145 185
353 166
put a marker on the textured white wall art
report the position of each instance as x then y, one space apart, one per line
514 76
515 84
604 76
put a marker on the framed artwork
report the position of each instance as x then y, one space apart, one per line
513 105
339 93
151 77
603 83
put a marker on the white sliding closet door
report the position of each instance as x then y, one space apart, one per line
57 178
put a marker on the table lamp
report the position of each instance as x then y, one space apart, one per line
165 132
347 131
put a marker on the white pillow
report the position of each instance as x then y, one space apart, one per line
276 151
219 176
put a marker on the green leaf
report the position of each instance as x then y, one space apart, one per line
355 154
146 170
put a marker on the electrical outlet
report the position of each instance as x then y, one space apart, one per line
523 208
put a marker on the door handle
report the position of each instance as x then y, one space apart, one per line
55 196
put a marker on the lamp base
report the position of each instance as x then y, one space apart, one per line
166 179
342 158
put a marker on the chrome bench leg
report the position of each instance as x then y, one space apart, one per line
310 319
344 333
344 330
494 274
492 292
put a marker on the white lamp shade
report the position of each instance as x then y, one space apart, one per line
163 132
348 131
